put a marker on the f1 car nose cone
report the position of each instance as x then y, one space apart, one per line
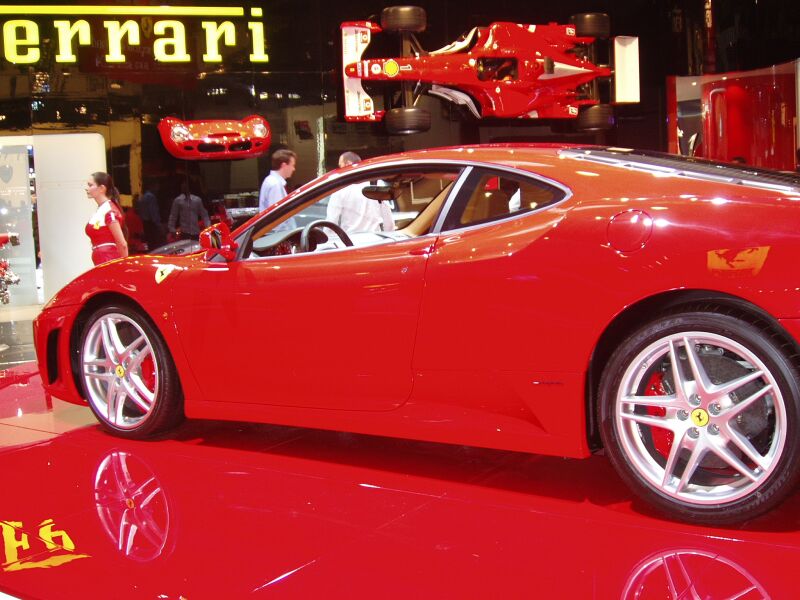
629 230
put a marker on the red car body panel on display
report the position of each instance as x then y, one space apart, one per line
740 116
501 67
215 139
483 335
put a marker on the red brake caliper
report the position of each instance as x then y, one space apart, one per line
662 438
148 372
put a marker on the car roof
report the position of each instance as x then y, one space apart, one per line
639 166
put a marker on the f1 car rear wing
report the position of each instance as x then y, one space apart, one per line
626 70
358 105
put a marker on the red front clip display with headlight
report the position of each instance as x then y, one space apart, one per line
215 139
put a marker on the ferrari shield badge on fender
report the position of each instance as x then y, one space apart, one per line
163 271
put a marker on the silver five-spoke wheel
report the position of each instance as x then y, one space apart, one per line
118 368
701 417
127 373
699 414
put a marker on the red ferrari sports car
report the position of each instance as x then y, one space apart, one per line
215 139
549 299
505 70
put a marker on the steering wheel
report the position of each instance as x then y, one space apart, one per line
305 236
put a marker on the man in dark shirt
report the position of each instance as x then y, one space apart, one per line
184 218
148 210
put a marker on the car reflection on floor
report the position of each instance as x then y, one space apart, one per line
236 510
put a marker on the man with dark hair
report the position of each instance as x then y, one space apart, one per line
148 210
274 186
186 213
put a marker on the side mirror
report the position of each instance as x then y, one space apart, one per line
217 240
379 192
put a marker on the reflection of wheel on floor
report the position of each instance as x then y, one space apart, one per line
679 574
127 373
699 414
132 506
404 18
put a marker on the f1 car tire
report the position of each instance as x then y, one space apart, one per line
599 117
596 25
403 121
404 18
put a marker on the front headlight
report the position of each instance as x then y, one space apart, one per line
260 130
180 133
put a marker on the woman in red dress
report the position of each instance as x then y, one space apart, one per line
105 227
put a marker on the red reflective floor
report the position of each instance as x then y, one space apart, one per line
237 510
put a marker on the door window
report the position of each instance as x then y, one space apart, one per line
379 207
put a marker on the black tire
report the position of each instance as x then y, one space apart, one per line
403 121
715 491
598 117
145 367
596 25
404 18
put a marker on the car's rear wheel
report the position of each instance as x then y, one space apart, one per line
596 25
402 121
699 414
597 117
404 19
127 373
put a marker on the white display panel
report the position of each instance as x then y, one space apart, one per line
63 163
626 69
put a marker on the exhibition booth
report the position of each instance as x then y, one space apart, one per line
470 302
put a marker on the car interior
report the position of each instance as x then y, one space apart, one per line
420 195
496 197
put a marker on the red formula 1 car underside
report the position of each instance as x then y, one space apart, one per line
505 70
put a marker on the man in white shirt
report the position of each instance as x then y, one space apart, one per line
273 188
352 211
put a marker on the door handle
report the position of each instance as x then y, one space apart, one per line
422 251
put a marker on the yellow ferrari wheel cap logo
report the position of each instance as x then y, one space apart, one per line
163 271
699 417
391 68
120 371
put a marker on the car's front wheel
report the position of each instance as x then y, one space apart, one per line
127 373
699 414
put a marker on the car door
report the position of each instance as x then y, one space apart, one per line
488 306
325 329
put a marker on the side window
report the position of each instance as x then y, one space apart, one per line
491 196
380 207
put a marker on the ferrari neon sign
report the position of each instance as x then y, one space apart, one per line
21 36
